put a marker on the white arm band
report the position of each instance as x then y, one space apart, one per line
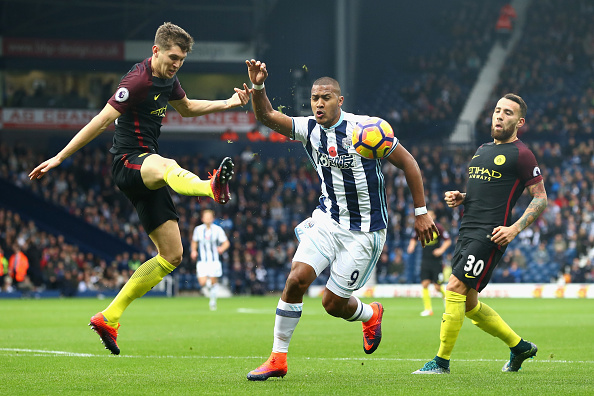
420 211
258 87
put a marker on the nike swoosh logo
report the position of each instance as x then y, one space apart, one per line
469 276
157 96
472 157
367 345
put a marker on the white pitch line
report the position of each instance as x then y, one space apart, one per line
41 352
64 353
255 311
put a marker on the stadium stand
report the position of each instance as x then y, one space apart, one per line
261 216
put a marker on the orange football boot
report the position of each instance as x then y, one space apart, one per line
219 181
372 329
107 333
275 366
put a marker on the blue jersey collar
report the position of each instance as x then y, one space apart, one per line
340 120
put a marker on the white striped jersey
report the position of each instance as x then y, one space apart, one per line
353 188
208 240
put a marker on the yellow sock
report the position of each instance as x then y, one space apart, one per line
486 319
451 323
186 183
442 290
150 273
427 300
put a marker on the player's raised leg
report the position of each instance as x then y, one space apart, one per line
158 171
349 272
352 309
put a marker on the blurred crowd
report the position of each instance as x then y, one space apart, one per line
270 197
552 67
424 96
33 260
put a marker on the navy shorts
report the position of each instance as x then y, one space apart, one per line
474 261
154 207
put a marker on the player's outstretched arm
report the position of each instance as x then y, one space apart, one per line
504 235
195 107
424 225
89 132
263 110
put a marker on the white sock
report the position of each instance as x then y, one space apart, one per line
287 317
363 313
213 294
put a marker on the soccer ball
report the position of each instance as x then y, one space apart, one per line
373 138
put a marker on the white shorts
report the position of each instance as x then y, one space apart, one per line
211 269
352 254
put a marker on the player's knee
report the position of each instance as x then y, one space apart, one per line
174 259
296 284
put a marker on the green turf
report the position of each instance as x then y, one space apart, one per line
177 346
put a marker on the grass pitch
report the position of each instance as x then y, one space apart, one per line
177 346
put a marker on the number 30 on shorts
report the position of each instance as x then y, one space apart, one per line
473 265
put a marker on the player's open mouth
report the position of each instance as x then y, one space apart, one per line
319 114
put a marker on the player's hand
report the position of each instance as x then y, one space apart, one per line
193 255
257 71
425 228
502 236
44 167
453 198
240 97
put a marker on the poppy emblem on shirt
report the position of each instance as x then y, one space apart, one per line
332 151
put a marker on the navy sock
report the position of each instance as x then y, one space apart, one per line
522 346
445 363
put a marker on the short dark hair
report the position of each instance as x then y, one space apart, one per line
169 35
328 81
518 99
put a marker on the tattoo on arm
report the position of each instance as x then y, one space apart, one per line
536 207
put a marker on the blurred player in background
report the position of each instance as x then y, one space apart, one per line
431 263
209 242
347 231
498 173
137 107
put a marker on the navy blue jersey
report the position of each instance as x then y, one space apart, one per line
353 188
497 177
142 99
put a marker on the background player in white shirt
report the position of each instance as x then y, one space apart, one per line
209 242
347 230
